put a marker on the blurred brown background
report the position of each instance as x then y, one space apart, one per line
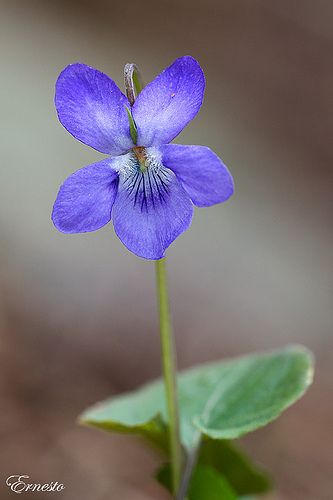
78 319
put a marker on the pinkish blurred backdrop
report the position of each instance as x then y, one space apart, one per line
77 313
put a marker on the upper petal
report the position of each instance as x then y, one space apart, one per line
92 108
150 211
203 175
86 197
167 104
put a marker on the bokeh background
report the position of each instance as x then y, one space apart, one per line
78 318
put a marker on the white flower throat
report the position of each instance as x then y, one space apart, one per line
144 178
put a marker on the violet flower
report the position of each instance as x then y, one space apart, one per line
146 187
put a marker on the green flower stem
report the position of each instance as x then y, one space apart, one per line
169 372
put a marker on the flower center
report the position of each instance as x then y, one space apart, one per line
142 157
144 179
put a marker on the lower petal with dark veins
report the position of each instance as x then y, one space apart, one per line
151 210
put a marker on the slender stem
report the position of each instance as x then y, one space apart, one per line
189 467
169 372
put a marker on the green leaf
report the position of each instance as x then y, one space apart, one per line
223 400
132 413
206 484
133 129
228 459
163 476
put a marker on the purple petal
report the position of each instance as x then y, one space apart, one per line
92 108
150 211
205 178
167 104
86 197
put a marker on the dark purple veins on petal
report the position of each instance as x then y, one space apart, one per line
151 208
145 189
